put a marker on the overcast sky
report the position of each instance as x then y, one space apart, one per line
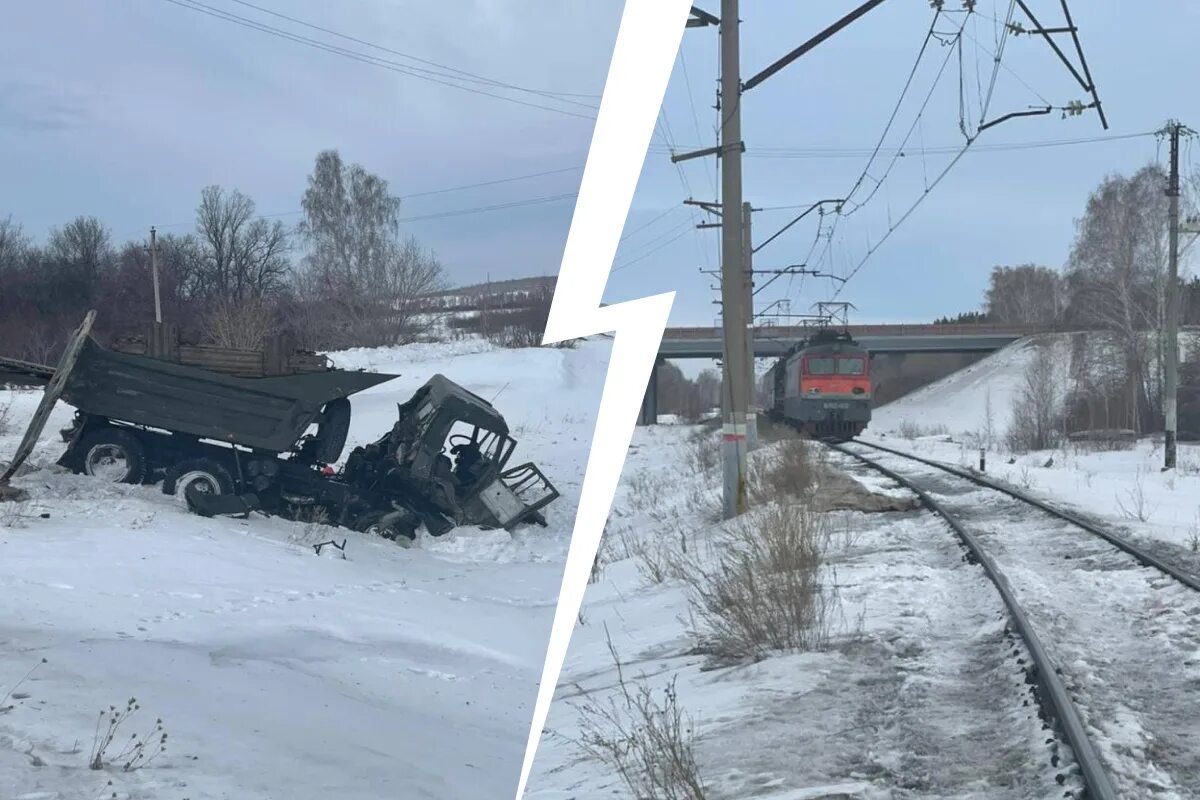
126 109
993 207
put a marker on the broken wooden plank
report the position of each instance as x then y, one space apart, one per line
53 391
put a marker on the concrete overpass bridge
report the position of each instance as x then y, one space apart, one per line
772 341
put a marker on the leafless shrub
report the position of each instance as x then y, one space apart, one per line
1135 504
764 589
646 490
238 325
784 472
5 416
667 553
704 453
912 430
597 568
1103 440
656 559
137 752
1038 418
645 740
1193 536
1026 479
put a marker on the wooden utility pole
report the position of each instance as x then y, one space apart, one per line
154 272
1171 344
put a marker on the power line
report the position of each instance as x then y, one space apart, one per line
381 48
534 201
645 225
404 69
839 152
431 192
492 183
652 251
970 140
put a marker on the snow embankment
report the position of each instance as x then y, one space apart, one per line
950 420
278 673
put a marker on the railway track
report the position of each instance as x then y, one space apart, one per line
1114 631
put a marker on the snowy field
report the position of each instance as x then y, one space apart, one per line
390 673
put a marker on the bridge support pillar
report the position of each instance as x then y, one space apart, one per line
649 413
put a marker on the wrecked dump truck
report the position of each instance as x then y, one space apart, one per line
231 444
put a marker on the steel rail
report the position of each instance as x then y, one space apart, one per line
1046 676
1120 542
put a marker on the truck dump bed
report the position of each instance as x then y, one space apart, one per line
268 413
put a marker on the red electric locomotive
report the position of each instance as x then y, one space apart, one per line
822 386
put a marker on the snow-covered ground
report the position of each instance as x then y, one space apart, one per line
920 693
390 673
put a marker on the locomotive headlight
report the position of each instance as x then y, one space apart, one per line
814 390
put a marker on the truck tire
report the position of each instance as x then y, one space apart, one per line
112 454
388 524
206 473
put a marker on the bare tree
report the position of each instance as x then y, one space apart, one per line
358 268
1116 276
1026 295
77 257
14 246
243 255
1037 422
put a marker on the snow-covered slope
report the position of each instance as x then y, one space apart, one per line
390 673
959 402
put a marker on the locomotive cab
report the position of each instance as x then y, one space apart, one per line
827 387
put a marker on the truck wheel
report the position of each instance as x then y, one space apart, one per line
388 524
113 455
206 474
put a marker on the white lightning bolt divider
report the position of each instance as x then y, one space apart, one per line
645 51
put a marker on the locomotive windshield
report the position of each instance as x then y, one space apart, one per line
850 366
820 366
828 365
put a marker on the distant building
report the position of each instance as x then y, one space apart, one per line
513 293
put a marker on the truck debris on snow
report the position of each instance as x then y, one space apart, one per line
231 444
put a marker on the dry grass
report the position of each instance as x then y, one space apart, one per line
704 453
4 707
911 430
784 472
765 587
647 491
133 753
5 417
644 737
